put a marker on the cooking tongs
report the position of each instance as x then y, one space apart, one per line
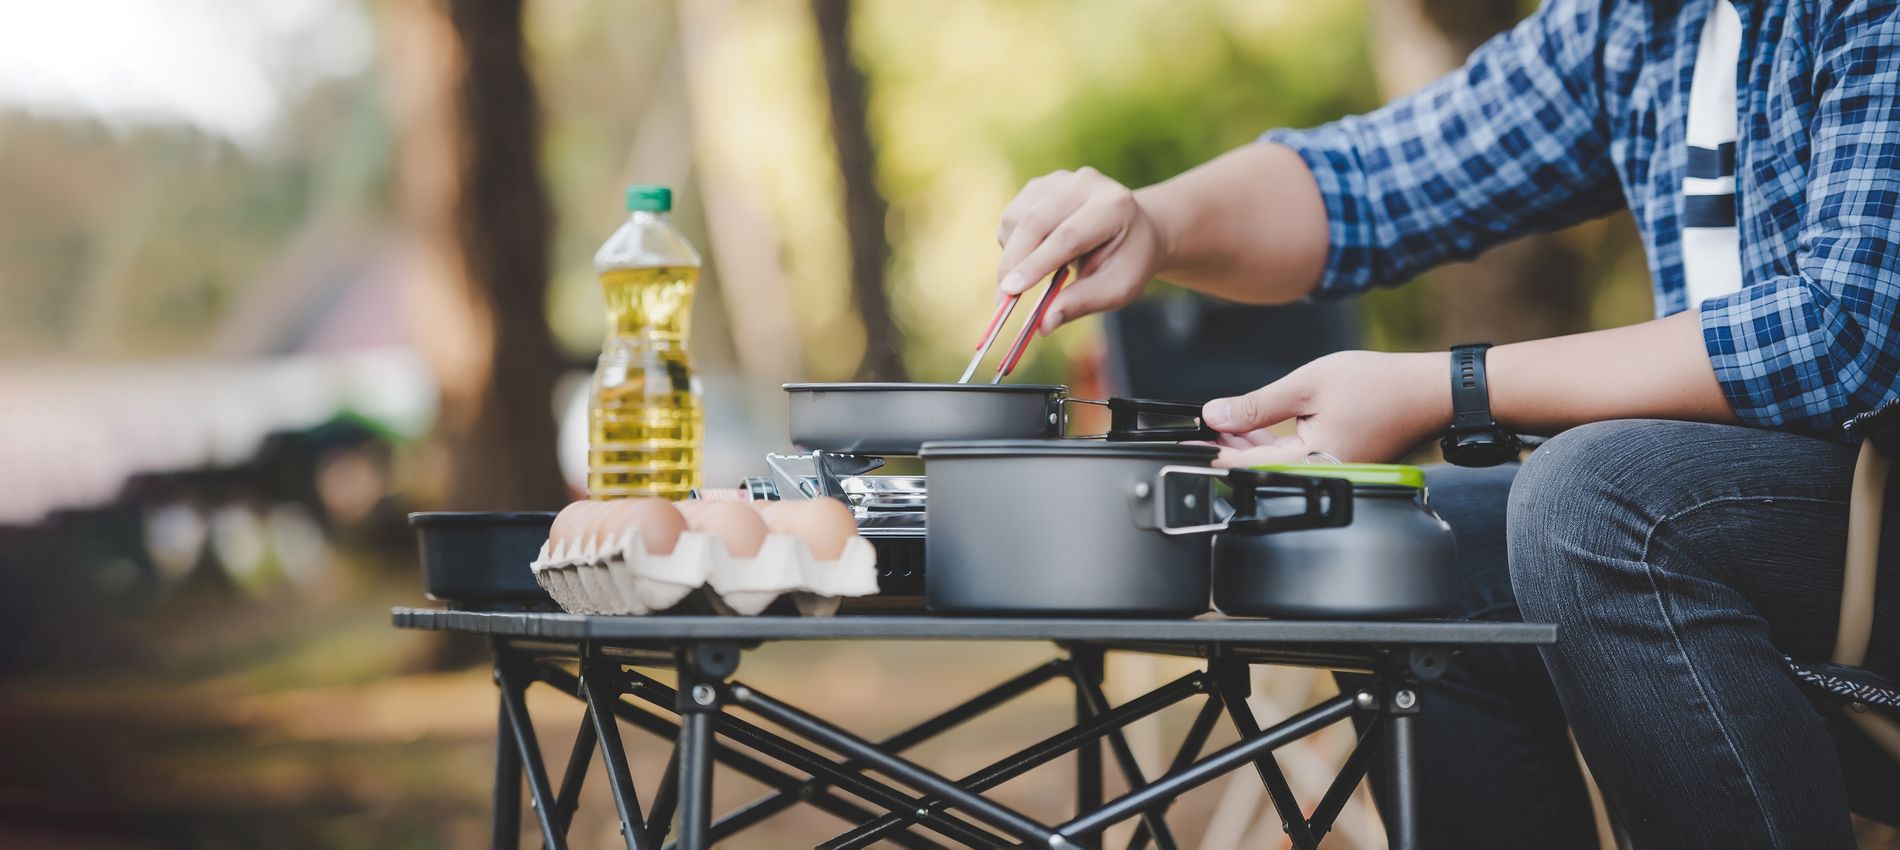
1022 338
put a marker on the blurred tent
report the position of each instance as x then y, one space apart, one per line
318 337
76 434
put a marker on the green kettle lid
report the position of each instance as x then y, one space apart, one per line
1360 474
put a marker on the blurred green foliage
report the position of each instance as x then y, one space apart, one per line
145 240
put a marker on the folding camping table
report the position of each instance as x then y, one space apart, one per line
600 660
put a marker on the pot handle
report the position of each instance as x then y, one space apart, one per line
1153 501
1328 501
1124 420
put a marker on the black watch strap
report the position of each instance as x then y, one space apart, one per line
1475 437
1470 393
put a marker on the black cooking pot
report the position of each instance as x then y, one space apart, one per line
1397 559
1081 528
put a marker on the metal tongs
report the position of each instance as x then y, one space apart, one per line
1022 338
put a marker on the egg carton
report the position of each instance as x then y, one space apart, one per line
617 575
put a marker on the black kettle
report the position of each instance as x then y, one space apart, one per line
1395 560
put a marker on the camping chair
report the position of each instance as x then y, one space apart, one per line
1862 697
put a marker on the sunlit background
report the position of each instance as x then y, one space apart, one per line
274 274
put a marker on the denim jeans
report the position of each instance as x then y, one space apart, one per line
1681 562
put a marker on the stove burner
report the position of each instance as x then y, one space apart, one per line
844 477
889 508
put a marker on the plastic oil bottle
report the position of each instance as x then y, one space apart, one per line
645 420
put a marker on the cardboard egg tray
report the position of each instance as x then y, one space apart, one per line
617 575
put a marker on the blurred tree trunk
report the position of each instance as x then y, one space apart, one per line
864 205
472 196
1530 289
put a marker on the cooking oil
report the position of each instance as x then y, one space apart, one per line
646 421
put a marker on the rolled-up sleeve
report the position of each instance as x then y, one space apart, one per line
1512 143
1807 351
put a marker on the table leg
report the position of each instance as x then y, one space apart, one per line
1234 683
703 669
506 834
665 800
1155 821
1190 750
600 690
930 782
540 791
1402 768
569 794
1088 760
695 780
1206 770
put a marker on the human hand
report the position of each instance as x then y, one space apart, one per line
1354 405
1086 218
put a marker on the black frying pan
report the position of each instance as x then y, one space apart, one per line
898 418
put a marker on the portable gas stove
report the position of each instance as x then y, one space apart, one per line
889 508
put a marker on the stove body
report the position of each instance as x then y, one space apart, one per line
889 510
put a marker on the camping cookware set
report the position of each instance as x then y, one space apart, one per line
1014 517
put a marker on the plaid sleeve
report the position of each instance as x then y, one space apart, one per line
1512 143
1807 351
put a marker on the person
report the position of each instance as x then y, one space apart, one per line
1684 527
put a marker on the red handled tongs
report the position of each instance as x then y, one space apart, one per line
1022 338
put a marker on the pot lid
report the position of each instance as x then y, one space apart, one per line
1198 455
1360 474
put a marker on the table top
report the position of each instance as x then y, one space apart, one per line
1206 630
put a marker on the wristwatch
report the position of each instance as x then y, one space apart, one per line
1475 439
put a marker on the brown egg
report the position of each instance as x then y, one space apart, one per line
597 522
568 523
733 522
824 524
658 522
766 508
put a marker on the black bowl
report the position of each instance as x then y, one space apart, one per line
480 559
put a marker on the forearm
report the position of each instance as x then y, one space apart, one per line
1655 370
1247 226
1368 406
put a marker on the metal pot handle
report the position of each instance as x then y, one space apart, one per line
1124 420
1328 501
1152 501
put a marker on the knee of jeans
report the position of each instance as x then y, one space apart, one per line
1560 497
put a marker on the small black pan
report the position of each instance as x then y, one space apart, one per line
479 561
898 418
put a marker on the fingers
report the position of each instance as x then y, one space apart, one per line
1248 440
1032 193
1273 403
1100 285
1051 211
1284 450
1059 230
1075 214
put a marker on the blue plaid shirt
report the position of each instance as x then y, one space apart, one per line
1580 111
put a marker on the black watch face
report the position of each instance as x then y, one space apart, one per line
1479 450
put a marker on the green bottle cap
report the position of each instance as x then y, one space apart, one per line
644 198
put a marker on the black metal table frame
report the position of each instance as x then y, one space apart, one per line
607 669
